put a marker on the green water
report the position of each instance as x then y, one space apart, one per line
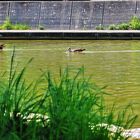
112 63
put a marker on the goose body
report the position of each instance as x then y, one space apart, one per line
76 50
2 46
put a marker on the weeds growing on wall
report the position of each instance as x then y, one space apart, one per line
133 24
70 109
8 25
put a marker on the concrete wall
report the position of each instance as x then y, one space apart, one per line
69 14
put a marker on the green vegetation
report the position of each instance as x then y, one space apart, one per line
113 27
69 108
100 27
123 26
8 25
133 24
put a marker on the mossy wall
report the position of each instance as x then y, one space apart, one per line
69 14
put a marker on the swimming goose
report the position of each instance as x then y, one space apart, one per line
2 46
76 50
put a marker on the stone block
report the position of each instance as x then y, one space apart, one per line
118 11
55 15
86 15
138 9
25 12
3 11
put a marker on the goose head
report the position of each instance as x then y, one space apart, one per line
69 49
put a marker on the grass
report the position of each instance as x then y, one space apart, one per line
70 109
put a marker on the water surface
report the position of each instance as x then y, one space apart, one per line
112 63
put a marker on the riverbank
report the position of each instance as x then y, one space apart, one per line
71 34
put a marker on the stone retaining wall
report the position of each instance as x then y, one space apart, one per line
69 14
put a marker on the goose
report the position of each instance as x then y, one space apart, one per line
76 50
2 46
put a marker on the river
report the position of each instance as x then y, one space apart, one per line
115 64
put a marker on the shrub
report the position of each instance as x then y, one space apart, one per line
113 27
20 27
8 25
123 26
100 27
135 23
